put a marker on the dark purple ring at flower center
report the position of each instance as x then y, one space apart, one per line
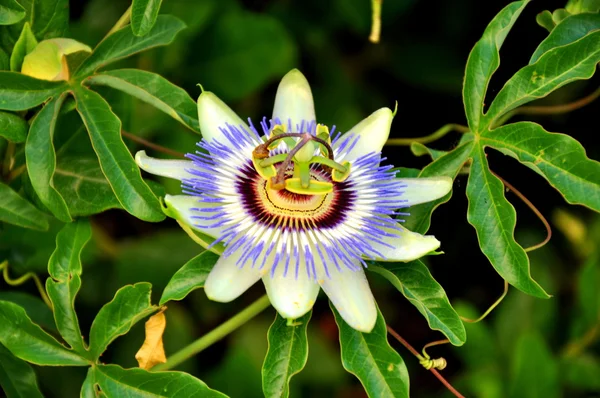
292 210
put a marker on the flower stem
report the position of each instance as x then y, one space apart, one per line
151 145
436 135
216 334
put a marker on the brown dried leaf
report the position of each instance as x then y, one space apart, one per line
152 351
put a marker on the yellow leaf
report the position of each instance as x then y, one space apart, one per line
152 351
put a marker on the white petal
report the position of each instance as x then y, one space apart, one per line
167 168
421 190
214 113
292 297
294 99
351 295
373 133
180 208
226 281
406 245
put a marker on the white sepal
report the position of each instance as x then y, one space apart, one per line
294 100
177 169
372 134
351 295
422 190
214 114
226 281
292 297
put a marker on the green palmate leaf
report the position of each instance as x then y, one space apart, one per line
88 389
553 69
19 92
155 90
559 15
534 370
130 304
579 6
11 12
29 342
78 176
13 128
494 219
115 381
41 158
16 210
189 277
419 149
79 179
24 45
544 19
372 360
116 162
484 60
50 18
557 157
286 356
62 296
17 378
34 307
143 15
571 29
64 268
124 43
262 37
70 241
447 165
415 282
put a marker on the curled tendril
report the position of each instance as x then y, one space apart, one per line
24 278
435 363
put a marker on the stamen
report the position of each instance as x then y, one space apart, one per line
301 155
278 182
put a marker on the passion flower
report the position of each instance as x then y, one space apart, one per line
296 204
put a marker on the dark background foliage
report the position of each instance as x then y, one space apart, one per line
240 50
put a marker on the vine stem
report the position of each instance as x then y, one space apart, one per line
151 145
420 357
216 334
549 109
24 278
534 209
124 20
436 135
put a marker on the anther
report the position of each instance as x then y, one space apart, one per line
260 152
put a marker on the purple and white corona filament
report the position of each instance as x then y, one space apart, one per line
294 206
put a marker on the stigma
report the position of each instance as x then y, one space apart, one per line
293 170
